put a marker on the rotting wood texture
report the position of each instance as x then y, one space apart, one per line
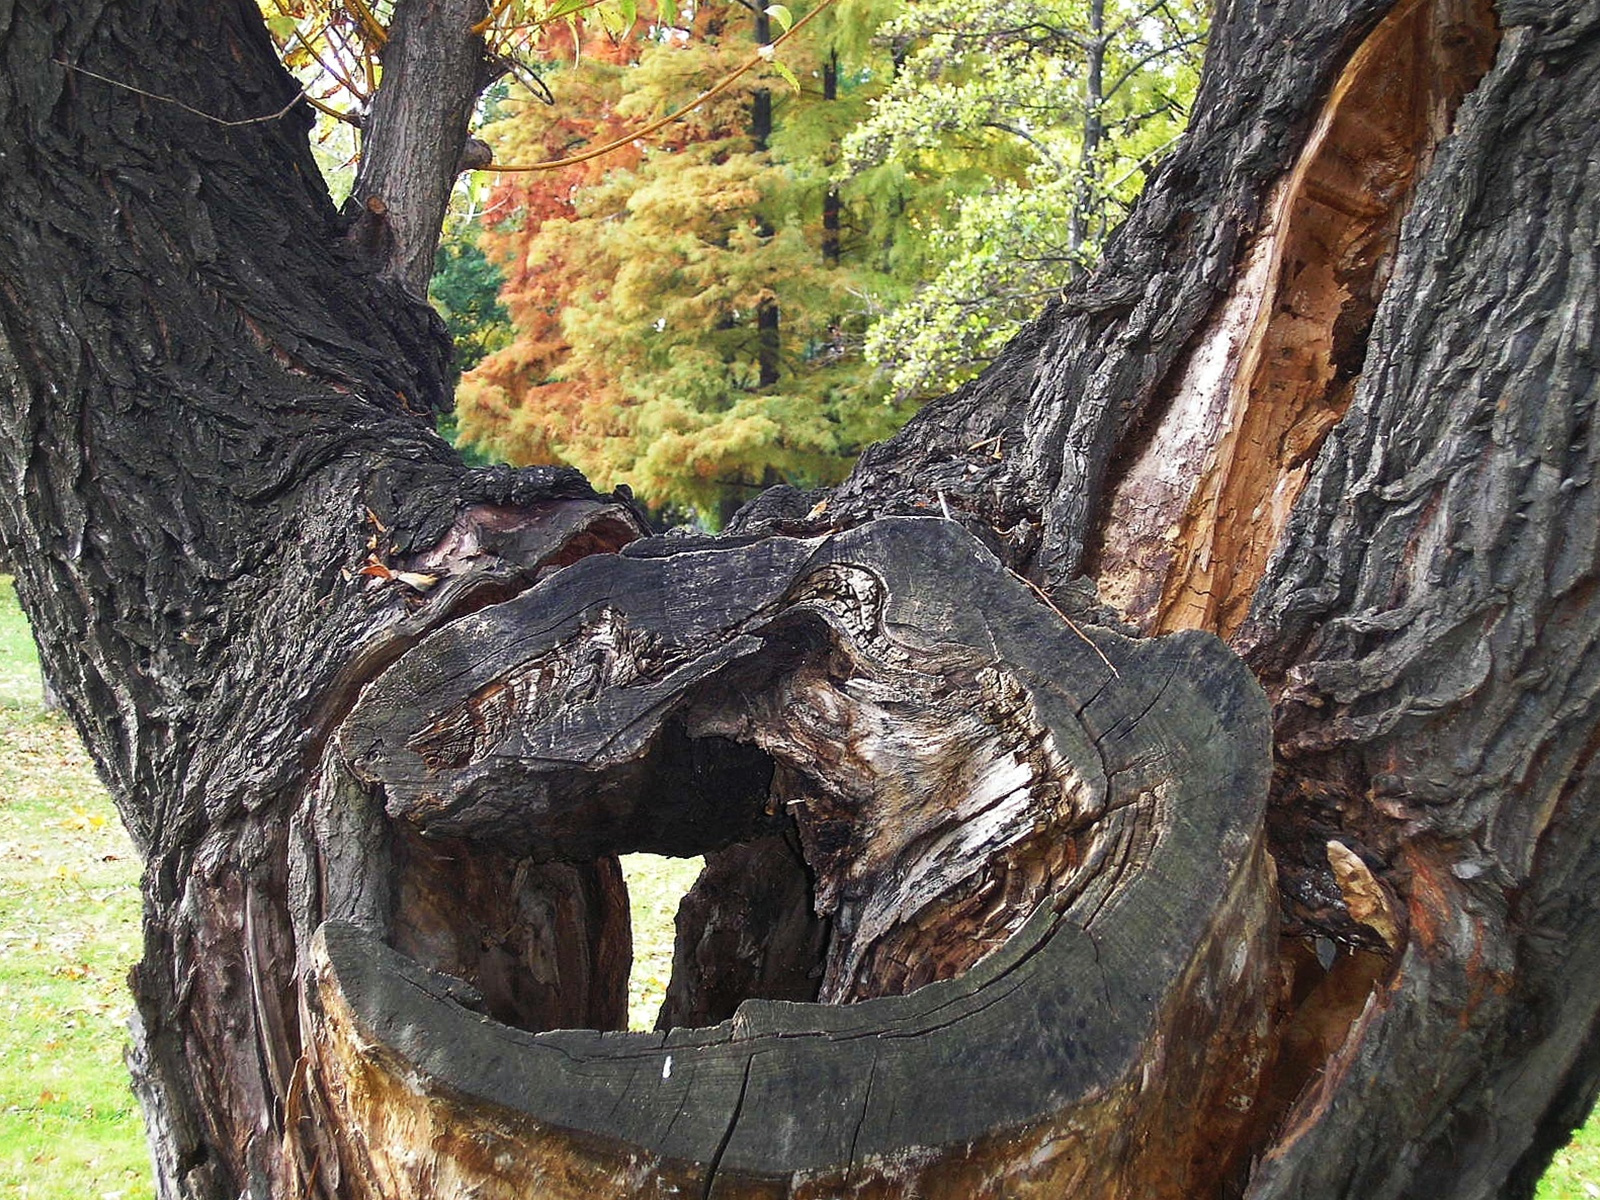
1191 522
997 808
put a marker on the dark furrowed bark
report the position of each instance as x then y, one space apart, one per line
187 363
1435 630
214 416
1206 491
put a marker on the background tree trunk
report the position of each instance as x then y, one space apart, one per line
1328 398
434 66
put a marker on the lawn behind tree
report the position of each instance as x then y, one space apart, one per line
69 909
69 914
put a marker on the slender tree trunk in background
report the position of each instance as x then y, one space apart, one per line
761 98
769 335
434 69
769 343
1322 418
1083 223
832 205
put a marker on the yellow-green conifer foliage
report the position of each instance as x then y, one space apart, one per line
1033 123
773 282
689 318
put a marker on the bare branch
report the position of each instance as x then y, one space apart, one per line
223 121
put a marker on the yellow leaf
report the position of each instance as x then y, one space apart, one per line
416 581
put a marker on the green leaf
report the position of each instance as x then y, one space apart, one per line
282 27
780 13
787 74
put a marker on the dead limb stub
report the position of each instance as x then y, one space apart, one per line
1034 862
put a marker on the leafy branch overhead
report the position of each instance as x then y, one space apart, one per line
411 78
336 46
337 50
1038 120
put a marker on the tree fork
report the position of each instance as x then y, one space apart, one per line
217 418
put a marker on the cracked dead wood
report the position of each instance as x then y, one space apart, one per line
997 824
989 909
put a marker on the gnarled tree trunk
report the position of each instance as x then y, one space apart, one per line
1268 871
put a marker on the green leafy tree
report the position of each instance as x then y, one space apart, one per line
778 277
1027 127
466 293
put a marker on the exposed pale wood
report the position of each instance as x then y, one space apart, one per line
1190 523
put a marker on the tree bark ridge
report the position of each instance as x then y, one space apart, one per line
1434 636
217 418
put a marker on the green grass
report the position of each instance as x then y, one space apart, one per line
655 885
69 908
1575 1173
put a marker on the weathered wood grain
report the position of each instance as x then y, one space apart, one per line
214 416
1137 778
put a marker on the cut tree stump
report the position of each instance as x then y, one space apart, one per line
1051 942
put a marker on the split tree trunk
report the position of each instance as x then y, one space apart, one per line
1011 926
